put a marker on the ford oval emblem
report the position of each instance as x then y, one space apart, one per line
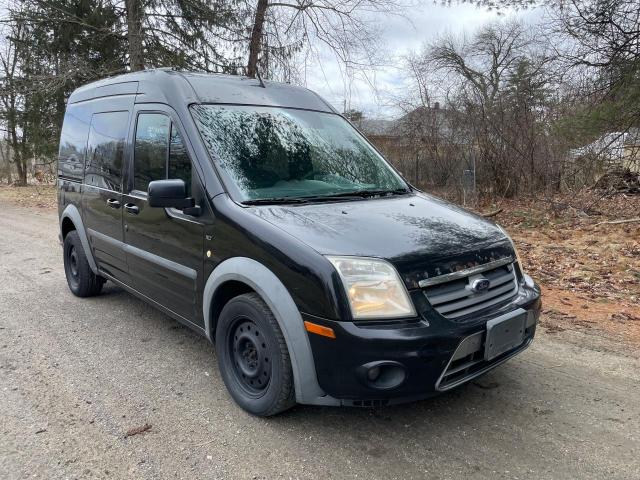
480 285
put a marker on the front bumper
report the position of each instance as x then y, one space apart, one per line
420 358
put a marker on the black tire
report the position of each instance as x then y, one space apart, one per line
253 357
80 278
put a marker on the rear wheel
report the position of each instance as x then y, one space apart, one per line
80 278
253 357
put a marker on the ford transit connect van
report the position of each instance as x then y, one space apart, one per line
258 216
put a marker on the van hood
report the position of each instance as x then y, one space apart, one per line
422 236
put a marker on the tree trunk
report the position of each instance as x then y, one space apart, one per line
21 166
256 38
6 161
16 147
9 181
135 12
8 151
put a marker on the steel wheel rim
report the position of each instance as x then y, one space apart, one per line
73 262
72 267
249 356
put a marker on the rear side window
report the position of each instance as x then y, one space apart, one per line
159 152
105 150
73 144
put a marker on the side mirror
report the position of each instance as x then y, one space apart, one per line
169 194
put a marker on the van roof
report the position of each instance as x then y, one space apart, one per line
172 87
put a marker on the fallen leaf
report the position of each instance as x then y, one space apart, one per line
137 430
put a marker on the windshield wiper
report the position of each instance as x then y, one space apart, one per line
274 201
325 198
368 193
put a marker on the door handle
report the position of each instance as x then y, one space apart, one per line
113 203
131 208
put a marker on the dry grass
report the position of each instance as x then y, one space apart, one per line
31 196
589 273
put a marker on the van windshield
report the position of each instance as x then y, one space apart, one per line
283 154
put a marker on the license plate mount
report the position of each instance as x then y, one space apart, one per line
504 334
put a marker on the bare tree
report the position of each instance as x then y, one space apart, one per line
497 98
255 42
601 41
10 98
135 14
345 27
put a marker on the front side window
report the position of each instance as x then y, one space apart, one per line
151 149
159 152
270 152
179 163
105 150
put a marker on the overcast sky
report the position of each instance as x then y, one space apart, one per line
400 38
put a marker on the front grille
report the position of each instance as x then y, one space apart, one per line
453 296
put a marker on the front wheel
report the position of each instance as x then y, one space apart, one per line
253 357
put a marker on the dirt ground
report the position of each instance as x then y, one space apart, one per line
108 387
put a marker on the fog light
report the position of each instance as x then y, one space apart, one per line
383 374
373 373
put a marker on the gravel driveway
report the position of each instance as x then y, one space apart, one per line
77 375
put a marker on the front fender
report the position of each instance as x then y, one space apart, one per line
264 282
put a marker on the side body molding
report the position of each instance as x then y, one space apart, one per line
72 213
276 296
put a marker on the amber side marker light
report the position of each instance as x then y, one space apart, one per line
319 329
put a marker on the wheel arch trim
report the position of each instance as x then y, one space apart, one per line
266 284
72 213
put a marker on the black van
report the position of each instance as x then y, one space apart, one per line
258 216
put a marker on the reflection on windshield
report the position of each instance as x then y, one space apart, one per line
270 152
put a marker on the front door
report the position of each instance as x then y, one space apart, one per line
164 246
102 195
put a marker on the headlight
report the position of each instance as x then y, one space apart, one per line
373 287
513 245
